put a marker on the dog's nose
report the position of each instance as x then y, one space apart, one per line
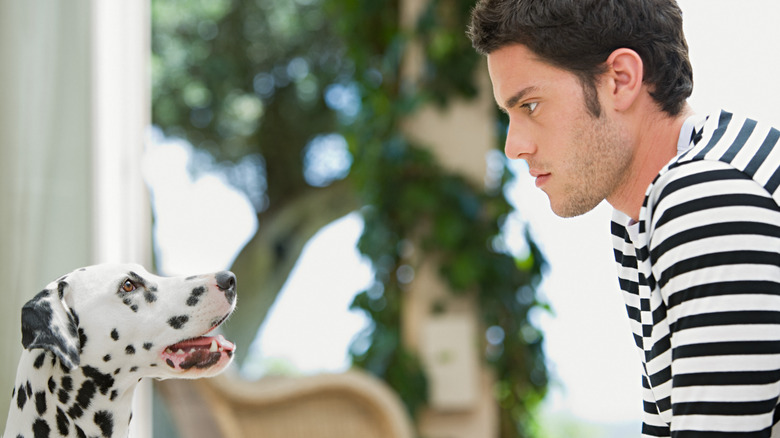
226 280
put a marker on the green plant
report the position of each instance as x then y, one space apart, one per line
250 78
409 197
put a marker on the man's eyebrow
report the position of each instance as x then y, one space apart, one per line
517 97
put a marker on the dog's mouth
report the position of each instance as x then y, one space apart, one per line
198 353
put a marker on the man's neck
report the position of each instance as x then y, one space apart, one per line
656 138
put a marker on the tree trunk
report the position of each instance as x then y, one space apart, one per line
263 266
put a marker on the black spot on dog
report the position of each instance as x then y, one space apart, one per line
130 420
129 349
134 308
148 346
29 390
149 296
82 340
137 278
105 421
127 300
80 433
73 329
117 371
74 315
39 361
67 383
21 398
103 381
75 411
41 429
133 369
52 385
85 394
37 317
107 358
230 294
114 394
193 277
170 363
13 390
40 402
63 396
64 393
114 335
62 422
152 364
178 322
61 289
195 295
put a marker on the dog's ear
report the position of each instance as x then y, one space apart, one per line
47 323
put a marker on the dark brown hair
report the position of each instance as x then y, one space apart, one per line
579 35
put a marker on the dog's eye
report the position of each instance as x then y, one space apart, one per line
128 286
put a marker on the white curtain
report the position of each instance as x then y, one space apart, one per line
73 110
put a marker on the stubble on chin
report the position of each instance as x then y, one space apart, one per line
595 171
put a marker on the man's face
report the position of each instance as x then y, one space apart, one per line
578 159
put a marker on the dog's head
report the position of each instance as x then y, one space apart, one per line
122 318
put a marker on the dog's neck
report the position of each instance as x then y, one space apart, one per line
84 401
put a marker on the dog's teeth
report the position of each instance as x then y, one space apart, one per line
213 346
180 351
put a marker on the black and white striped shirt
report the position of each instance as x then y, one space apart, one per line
700 274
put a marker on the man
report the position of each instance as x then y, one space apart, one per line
596 91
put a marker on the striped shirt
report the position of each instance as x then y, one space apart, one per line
700 275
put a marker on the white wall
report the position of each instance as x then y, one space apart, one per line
73 113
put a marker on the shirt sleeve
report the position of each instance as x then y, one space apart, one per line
714 243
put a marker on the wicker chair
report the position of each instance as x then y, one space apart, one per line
350 404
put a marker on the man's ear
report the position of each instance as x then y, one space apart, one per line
47 323
625 74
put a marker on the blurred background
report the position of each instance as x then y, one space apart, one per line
397 276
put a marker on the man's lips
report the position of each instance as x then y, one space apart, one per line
541 177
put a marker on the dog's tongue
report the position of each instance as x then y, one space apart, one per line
200 353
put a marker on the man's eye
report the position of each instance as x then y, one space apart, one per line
530 106
128 286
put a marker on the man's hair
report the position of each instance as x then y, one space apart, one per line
579 35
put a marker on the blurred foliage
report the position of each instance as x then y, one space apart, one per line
266 78
239 78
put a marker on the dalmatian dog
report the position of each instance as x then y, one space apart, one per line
92 335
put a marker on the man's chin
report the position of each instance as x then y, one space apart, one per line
569 208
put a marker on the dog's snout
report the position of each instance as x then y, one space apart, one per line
226 280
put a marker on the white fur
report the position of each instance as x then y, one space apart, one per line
88 342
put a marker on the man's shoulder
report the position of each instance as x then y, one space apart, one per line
699 180
728 147
744 144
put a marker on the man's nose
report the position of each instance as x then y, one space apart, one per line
518 143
